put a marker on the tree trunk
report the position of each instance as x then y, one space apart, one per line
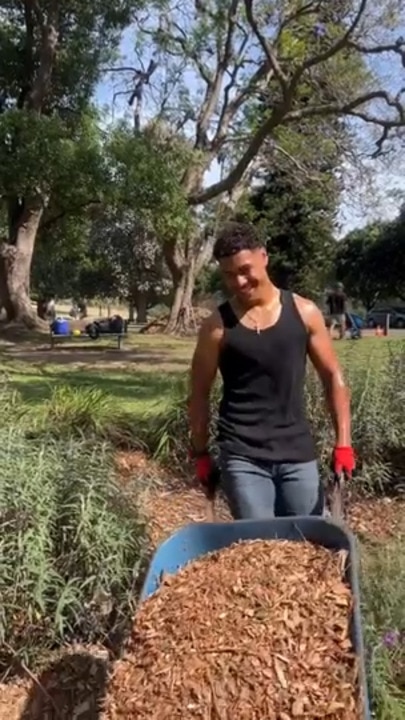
184 273
15 268
176 306
131 311
5 300
141 307
181 319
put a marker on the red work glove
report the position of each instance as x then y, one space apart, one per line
203 469
207 472
343 460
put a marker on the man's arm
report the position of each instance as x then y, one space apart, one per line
324 359
204 367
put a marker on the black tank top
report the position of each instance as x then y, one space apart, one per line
262 411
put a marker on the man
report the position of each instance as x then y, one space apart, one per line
259 341
336 302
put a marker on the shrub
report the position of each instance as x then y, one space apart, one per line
71 544
83 412
378 395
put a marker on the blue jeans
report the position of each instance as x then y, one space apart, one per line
257 490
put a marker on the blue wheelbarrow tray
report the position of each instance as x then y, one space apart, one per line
198 539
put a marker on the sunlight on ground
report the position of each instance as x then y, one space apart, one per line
140 376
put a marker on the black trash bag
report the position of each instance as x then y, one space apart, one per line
104 326
92 330
117 324
108 326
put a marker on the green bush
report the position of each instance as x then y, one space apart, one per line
378 399
71 543
83 412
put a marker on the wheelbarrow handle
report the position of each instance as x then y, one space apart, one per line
338 504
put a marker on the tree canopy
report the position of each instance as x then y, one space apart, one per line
222 94
371 262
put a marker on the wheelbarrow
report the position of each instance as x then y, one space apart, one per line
198 539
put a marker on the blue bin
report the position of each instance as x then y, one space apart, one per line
60 326
199 539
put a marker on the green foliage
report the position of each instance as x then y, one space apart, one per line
352 267
376 382
71 543
297 221
84 412
146 173
135 197
371 262
209 281
89 36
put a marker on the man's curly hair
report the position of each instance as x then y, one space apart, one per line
234 237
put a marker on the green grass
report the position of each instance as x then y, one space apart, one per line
144 384
383 583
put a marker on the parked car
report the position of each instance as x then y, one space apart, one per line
379 317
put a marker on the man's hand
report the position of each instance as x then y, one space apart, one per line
203 468
344 460
207 474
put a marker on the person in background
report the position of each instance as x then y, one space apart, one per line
336 303
51 309
259 341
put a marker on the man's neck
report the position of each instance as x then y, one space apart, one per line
267 297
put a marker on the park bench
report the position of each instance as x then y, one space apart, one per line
58 339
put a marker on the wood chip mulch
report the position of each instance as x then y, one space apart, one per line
71 688
257 630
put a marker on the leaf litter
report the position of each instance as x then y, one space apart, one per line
257 631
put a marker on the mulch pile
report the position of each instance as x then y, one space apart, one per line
256 631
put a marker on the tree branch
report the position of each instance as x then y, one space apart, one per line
181 39
397 47
267 47
49 42
348 108
237 172
282 114
120 69
214 87
46 224
333 49
230 108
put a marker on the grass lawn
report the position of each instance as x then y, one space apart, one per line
140 376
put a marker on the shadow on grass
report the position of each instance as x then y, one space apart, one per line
66 355
72 687
129 387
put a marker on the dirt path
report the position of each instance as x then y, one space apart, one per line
77 683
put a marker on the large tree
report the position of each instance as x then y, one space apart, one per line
51 57
297 223
371 262
206 63
132 259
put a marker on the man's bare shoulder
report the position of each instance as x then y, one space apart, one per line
309 311
212 327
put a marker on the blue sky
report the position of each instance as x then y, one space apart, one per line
364 201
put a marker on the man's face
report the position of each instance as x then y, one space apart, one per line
245 272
